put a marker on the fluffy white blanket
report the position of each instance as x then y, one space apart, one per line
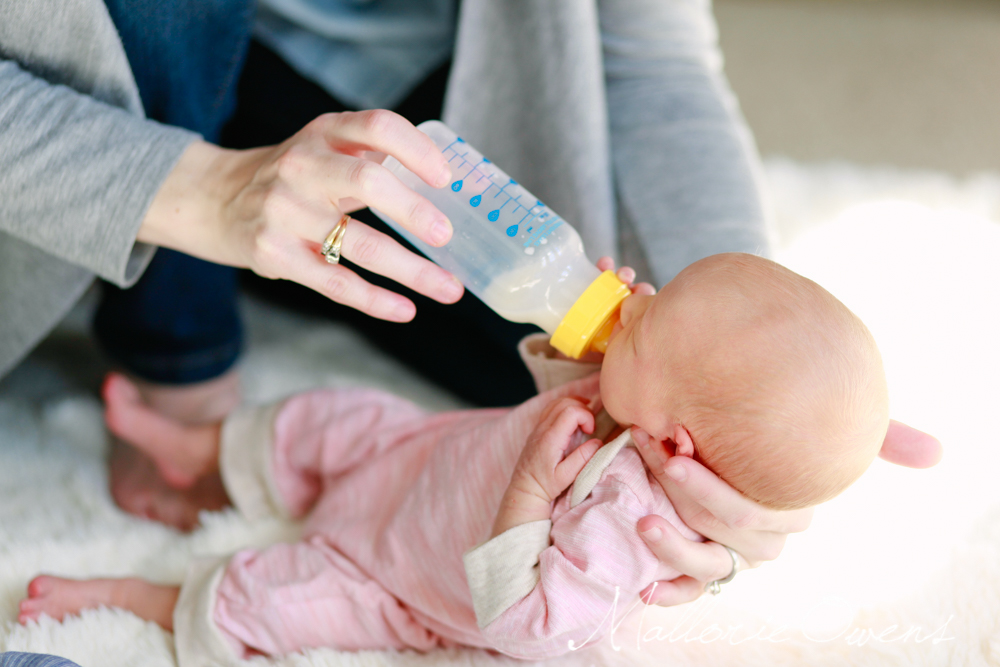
903 569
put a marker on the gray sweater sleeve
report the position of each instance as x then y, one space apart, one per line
686 169
77 175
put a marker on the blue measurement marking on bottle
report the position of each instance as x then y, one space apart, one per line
512 230
546 228
474 168
531 213
506 185
537 220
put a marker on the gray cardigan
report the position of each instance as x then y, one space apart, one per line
613 112
79 165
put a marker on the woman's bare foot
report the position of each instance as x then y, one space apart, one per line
58 598
182 452
136 483
139 489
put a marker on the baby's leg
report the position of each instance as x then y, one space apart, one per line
183 453
58 598
291 597
320 435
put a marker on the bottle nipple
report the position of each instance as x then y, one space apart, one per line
588 323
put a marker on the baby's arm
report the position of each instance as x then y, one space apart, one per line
544 588
544 470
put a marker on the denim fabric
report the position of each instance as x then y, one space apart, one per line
179 323
186 56
13 659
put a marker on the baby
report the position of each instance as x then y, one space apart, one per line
425 530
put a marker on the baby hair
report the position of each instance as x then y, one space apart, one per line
782 387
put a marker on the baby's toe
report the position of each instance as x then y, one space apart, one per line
41 586
29 610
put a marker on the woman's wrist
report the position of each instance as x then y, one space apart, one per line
189 211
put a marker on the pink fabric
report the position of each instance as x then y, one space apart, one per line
393 498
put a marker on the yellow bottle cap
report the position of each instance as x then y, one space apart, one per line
588 323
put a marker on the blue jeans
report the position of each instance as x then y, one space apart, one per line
179 323
13 659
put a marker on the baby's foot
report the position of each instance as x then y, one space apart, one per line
182 453
58 598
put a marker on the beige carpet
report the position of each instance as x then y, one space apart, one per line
903 569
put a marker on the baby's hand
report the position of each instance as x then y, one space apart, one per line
626 274
544 470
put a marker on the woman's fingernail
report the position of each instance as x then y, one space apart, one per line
454 288
404 312
445 177
677 473
652 535
441 232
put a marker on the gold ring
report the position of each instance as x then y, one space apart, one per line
333 241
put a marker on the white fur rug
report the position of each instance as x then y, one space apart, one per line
903 569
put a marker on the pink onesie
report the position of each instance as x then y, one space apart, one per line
398 506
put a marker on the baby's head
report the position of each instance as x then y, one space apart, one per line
758 372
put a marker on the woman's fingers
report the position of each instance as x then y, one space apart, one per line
340 284
694 482
716 510
328 178
704 561
372 250
269 209
906 446
379 253
386 132
709 501
674 592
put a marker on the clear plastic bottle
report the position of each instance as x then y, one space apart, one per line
513 252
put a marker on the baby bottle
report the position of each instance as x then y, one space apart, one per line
513 252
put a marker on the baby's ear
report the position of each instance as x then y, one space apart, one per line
685 445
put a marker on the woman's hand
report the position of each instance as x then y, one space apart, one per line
724 516
716 510
269 209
